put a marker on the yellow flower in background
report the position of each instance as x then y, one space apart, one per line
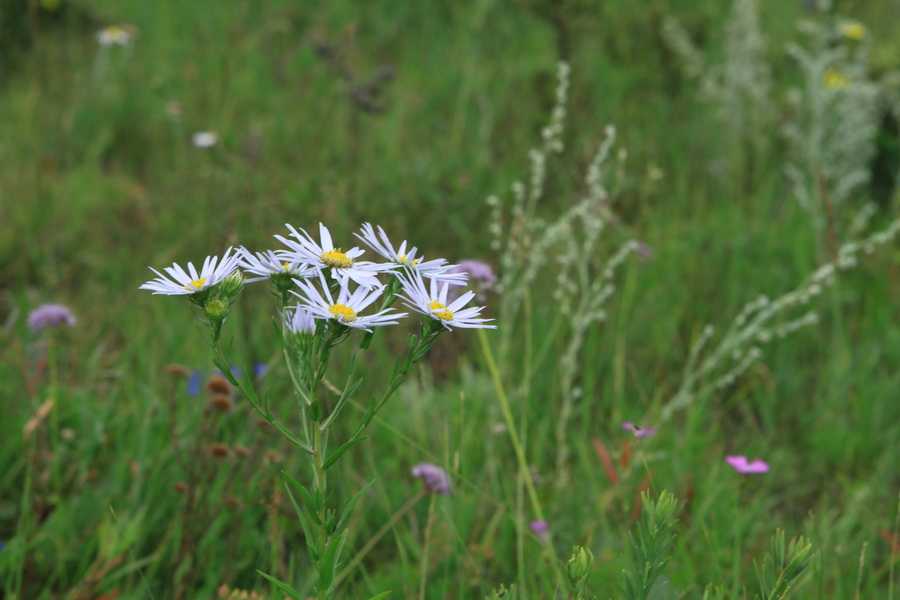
835 80
852 30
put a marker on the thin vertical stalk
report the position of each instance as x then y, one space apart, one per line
516 443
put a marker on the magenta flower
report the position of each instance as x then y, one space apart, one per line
639 432
50 315
433 477
740 464
541 529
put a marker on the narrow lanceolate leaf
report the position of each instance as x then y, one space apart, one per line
348 508
328 564
381 596
309 500
281 586
336 454
304 524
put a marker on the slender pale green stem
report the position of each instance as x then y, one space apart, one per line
321 485
423 576
514 438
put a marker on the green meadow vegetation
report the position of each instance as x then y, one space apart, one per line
691 212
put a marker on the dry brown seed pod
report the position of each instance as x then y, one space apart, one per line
221 402
219 450
217 384
176 370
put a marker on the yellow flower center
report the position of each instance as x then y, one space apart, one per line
835 80
342 312
441 311
853 31
286 266
337 258
197 283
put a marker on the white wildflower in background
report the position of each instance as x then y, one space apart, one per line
205 139
347 307
182 282
268 263
433 302
115 35
325 255
438 268
740 346
833 131
739 88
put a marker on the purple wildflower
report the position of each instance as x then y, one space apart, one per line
481 275
639 432
50 315
194 382
260 369
740 464
541 529
434 478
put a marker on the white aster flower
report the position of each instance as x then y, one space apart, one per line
325 255
266 264
346 308
300 321
432 302
205 139
437 268
180 282
115 35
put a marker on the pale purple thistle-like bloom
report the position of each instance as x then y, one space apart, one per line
541 529
639 432
478 271
435 478
745 467
50 315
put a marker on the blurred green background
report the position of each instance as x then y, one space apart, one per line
409 114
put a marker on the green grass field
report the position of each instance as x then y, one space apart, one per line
409 115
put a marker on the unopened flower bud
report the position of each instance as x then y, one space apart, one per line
579 564
231 285
301 322
216 309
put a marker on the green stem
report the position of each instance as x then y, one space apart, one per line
516 442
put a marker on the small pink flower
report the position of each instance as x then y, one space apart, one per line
541 529
639 432
740 464
433 477
47 316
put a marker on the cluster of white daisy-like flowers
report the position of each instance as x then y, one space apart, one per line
333 284
325 294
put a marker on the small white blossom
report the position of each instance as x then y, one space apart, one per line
438 268
263 265
180 282
432 302
347 307
205 139
324 255
115 35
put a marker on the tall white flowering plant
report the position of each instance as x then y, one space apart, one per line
326 297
